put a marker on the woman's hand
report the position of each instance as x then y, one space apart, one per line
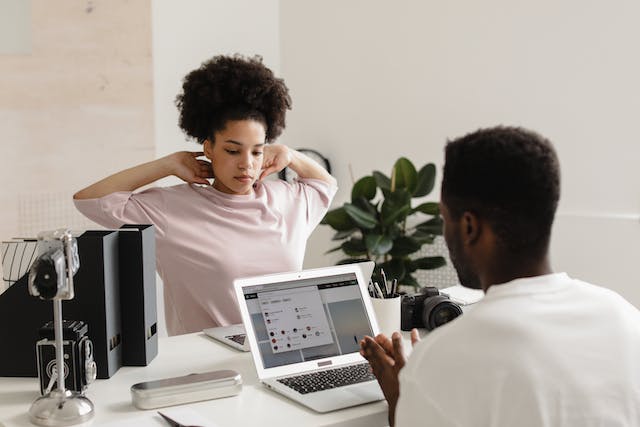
275 158
186 166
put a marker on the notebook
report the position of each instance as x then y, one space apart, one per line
304 330
234 335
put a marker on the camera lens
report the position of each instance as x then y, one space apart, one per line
46 277
439 310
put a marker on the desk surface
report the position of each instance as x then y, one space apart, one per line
182 355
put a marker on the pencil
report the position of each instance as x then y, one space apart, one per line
384 277
378 290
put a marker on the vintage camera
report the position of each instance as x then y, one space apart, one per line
79 367
51 274
427 309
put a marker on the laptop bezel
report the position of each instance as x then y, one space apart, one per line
294 368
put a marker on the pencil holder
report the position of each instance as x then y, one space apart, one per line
387 312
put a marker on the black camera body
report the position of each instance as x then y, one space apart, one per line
427 309
79 366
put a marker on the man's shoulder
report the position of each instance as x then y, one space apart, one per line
597 291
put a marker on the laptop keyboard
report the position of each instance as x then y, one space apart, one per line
237 338
328 379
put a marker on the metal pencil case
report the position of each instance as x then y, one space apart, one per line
186 389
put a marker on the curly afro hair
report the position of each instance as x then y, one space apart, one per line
228 88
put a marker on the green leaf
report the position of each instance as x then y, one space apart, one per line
422 237
429 208
409 280
336 249
406 175
365 187
429 262
393 231
382 180
366 206
396 215
409 266
426 180
338 219
394 269
354 247
378 244
343 234
351 260
404 245
396 207
360 217
400 197
433 226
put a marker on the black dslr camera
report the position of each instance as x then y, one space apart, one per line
79 367
427 309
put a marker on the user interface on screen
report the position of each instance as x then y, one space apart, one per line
303 320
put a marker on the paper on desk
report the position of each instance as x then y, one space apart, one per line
186 416
462 295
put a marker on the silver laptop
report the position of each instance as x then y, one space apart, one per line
235 336
304 330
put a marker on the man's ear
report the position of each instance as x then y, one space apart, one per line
470 228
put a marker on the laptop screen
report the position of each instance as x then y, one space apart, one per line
302 320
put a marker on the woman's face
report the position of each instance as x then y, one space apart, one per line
236 156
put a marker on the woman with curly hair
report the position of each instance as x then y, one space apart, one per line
241 225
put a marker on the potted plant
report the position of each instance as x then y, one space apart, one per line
378 223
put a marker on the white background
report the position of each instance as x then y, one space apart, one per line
375 80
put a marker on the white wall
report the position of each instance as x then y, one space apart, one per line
186 33
370 81
374 80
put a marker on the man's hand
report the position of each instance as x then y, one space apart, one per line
386 357
275 158
186 166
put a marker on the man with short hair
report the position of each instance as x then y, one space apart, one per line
541 348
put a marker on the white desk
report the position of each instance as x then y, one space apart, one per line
181 355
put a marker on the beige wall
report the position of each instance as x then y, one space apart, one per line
76 107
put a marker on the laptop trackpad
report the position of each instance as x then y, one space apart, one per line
343 397
369 391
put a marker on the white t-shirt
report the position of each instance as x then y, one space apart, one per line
541 351
206 238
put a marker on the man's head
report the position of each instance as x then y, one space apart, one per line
500 191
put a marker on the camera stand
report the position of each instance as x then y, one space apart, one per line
60 407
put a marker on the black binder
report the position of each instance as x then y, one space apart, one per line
138 295
115 294
97 299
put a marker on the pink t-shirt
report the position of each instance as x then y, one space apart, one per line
205 239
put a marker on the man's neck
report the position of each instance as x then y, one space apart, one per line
505 272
